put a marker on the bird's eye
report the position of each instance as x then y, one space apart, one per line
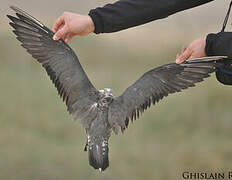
108 99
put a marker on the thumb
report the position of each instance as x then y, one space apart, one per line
60 33
184 56
192 57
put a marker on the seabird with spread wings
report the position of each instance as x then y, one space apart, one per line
99 111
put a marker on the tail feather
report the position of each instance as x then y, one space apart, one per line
98 156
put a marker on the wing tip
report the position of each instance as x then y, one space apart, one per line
19 11
14 8
205 59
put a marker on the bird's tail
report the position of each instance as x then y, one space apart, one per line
98 154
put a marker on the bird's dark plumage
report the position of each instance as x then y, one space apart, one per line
156 84
99 111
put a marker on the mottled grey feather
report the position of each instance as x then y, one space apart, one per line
61 64
156 84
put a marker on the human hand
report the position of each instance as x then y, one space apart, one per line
71 24
196 49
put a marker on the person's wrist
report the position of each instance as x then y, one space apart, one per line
204 45
91 26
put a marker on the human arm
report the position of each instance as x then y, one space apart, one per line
120 15
219 44
124 14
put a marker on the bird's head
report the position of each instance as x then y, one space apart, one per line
106 92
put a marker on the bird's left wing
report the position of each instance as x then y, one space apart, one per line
156 84
60 62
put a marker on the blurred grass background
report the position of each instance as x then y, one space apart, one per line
190 131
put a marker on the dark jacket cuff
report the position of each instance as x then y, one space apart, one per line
97 22
209 44
219 44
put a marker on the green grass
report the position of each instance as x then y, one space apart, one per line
39 140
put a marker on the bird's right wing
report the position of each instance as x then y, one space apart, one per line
156 84
60 62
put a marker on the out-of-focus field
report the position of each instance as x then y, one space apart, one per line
190 131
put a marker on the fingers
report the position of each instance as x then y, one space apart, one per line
192 57
61 33
68 37
58 23
184 56
183 49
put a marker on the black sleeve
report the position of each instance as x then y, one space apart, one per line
219 44
124 14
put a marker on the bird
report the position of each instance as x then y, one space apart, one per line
100 112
